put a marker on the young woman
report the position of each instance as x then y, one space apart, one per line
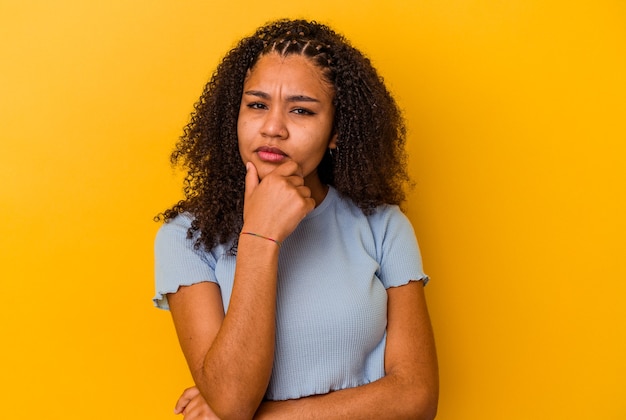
294 281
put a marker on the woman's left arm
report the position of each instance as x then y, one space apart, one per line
410 387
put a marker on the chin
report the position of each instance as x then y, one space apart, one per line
263 169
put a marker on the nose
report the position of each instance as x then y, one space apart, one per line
274 124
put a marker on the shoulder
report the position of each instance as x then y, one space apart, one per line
389 219
386 213
384 221
380 215
177 225
174 239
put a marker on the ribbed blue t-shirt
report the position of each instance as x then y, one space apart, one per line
333 272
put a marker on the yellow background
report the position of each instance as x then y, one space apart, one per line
516 113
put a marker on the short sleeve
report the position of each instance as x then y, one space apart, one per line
177 263
397 248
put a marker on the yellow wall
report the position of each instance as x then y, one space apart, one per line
517 117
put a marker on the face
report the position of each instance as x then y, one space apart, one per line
286 114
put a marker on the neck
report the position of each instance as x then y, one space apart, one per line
318 189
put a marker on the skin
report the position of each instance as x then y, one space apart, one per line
286 114
284 128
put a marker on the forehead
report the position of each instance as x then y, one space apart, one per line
293 72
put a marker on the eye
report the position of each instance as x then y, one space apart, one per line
256 105
302 111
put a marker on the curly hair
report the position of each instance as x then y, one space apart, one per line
368 167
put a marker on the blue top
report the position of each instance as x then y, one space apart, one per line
333 272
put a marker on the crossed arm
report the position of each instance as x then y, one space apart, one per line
409 388
230 356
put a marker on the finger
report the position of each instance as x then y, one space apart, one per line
310 204
295 180
187 395
252 179
198 409
304 191
289 168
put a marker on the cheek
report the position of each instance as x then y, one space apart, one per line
242 132
312 157
241 120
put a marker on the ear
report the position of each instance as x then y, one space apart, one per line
332 144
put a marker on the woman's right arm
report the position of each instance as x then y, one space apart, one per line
230 356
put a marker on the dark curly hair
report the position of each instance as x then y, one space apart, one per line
368 167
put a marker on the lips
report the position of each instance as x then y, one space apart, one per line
270 154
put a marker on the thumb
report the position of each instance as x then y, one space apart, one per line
252 179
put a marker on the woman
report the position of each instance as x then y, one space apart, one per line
294 281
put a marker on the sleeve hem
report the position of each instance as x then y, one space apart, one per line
424 279
160 299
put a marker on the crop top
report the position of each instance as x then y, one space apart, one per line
333 272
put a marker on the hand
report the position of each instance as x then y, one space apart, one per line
276 205
193 406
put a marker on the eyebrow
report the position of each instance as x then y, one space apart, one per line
291 98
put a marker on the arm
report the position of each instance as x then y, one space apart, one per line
230 355
410 386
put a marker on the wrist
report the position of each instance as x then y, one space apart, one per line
260 237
